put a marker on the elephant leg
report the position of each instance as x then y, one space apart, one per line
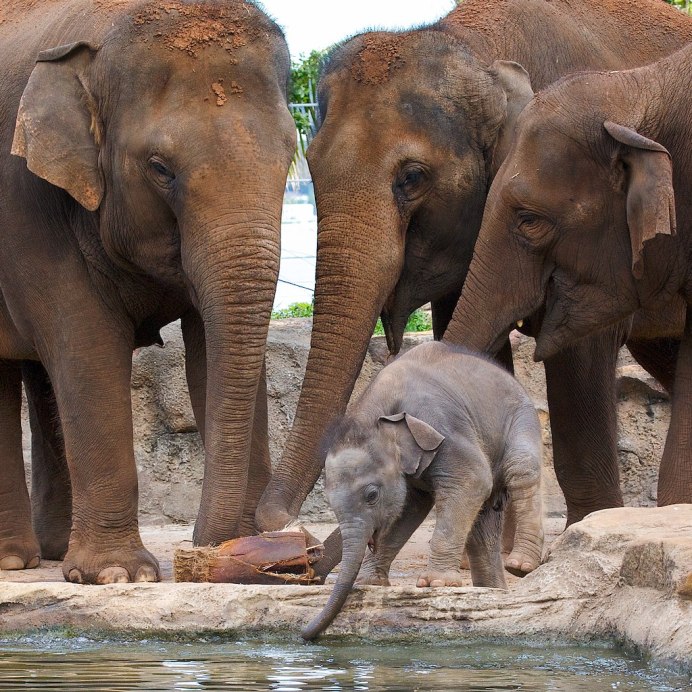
376 565
483 548
527 548
658 357
51 492
458 501
675 472
91 380
19 548
192 328
442 311
259 471
582 402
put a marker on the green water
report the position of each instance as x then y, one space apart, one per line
52 662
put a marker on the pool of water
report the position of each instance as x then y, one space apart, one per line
59 662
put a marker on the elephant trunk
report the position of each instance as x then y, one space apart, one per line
504 285
353 281
355 541
232 263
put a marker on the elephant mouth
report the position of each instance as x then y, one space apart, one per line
372 542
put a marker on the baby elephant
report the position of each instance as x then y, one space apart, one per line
442 426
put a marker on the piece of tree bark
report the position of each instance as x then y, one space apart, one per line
277 557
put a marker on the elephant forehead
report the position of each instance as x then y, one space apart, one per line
346 461
190 27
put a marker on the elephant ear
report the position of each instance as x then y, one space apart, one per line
416 442
650 197
514 80
57 129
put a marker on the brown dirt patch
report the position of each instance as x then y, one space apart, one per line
377 58
191 27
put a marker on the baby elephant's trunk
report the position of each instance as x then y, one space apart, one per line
354 545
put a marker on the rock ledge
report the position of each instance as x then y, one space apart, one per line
620 574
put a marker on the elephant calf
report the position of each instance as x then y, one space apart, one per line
438 425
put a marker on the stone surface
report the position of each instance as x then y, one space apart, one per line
619 574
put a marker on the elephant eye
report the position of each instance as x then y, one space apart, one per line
534 232
160 170
527 220
410 182
372 494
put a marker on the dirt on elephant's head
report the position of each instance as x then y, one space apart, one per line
193 26
377 58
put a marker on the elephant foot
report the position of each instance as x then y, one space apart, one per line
435 579
371 576
373 580
520 564
83 565
272 518
19 554
53 536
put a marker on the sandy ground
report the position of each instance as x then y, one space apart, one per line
162 541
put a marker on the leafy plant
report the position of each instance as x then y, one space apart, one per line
302 100
293 310
418 321
683 5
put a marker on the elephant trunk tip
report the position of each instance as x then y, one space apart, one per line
313 630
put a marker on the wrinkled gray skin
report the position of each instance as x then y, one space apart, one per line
441 426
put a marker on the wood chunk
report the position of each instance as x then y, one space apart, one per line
277 557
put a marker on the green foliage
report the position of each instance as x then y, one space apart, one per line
304 72
683 5
419 321
293 310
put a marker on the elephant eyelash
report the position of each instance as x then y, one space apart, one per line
164 175
532 231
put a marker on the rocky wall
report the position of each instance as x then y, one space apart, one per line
169 452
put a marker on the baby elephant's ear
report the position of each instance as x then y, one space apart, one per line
650 199
416 442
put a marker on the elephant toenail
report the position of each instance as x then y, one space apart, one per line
75 576
12 562
146 573
113 575
34 562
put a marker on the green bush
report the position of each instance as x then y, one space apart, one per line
293 310
419 321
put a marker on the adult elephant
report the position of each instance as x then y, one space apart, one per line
414 126
150 150
585 208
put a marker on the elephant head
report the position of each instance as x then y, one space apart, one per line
412 129
574 217
173 134
366 471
